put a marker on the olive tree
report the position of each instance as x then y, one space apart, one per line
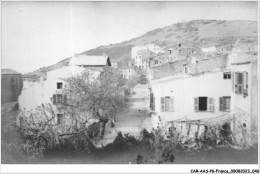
88 100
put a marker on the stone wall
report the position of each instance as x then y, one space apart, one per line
211 64
172 68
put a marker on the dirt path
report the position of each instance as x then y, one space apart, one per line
136 118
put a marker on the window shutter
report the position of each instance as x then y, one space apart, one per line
221 103
210 104
162 104
240 83
151 100
54 99
153 103
171 104
167 104
236 81
196 104
245 84
233 81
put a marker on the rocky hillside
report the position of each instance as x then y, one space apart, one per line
199 32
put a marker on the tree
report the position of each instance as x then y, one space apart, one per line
89 101
100 97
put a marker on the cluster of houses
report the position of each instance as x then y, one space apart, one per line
207 86
186 83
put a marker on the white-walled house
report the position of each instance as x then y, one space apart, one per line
193 95
146 47
224 88
47 89
141 57
127 72
138 60
245 94
208 49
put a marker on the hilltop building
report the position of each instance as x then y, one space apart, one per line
141 58
138 53
127 72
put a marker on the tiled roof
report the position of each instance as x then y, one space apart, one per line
9 71
90 60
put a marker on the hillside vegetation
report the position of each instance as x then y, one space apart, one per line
197 32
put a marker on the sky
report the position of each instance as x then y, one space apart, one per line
37 34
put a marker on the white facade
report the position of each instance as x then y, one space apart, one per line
140 62
127 73
184 89
231 92
114 64
36 93
209 49
138 58
41 91
245 92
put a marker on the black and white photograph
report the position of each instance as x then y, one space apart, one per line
130 82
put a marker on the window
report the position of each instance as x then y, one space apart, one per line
185 69
224 103
227 75
156 61
58 98
204 104
60 119
152 103
59 85
245 84
240 83
167 104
